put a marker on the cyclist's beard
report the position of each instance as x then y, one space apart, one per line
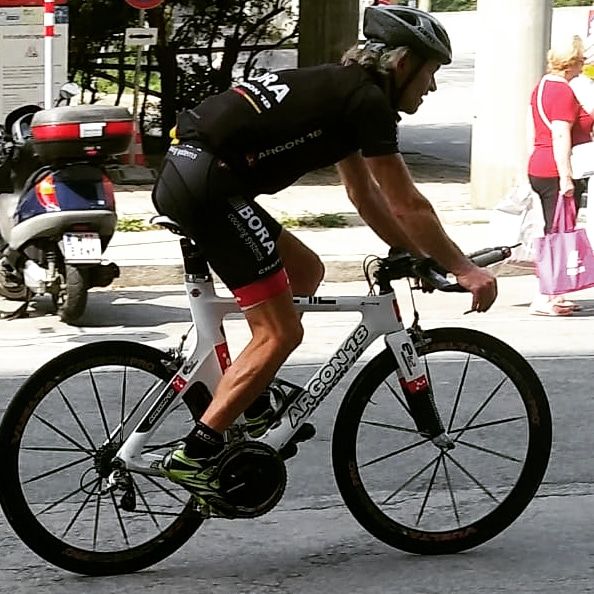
393 93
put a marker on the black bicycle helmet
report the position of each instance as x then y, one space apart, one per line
395 26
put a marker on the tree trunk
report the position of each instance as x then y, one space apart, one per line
327 28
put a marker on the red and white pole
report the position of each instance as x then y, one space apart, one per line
48 34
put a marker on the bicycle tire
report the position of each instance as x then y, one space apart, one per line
351 426
32 406
75 294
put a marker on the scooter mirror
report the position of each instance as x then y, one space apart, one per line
69 90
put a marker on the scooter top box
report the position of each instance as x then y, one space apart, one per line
81 132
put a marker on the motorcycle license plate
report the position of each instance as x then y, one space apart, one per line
82 247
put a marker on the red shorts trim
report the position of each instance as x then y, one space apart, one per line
262 290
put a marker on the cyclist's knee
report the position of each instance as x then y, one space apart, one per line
281 339
307 279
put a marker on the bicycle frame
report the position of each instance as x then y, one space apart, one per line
207 357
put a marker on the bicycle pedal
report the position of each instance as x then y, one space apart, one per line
305 432
288 451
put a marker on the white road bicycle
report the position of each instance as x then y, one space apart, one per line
440 443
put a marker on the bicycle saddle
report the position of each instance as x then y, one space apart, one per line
167 223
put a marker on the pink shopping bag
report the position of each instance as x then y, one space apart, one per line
564 258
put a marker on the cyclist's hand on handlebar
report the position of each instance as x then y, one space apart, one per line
483 286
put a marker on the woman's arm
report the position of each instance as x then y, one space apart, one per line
561 138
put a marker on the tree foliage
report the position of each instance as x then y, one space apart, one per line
199 45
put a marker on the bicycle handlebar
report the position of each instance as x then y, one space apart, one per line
430 274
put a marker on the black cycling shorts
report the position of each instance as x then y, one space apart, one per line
238 237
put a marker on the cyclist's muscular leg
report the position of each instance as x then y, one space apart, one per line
276 332
304 267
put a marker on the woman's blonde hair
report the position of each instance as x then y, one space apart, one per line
564 54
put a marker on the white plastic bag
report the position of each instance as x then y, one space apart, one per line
518 219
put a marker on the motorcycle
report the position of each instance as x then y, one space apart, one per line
57 205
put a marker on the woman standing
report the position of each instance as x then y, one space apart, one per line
560 123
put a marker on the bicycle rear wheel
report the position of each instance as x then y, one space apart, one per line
58 437
419 498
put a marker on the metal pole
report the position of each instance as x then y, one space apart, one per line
48 34
517 35
132 159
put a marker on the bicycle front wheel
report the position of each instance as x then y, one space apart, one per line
422 499
58 437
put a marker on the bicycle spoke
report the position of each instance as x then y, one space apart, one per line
411 479
387 426
50 449
399 398
395 453
76 419
119 515
97 511
164 489
458 394
482 407
56 470
148 507
488 424
132 412
488 451
123 406
472 478
80 509
61 433
450 490
66 497
152 448
429 487
99 405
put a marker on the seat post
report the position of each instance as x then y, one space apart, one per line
195 263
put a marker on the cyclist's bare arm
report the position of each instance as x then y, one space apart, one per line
370 202
381 185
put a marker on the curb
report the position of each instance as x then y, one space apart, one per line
337 271
173 274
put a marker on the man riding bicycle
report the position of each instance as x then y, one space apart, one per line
261 136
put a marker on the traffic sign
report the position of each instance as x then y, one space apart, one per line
144 4
141 36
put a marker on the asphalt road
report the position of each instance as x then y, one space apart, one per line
310 541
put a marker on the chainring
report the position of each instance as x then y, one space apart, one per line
252 478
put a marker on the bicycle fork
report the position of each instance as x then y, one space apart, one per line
417 390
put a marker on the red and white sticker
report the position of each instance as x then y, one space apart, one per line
223 356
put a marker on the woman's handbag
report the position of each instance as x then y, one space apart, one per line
564 258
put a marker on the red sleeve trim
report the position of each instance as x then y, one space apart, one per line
262 290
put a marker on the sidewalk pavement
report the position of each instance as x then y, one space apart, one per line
154 257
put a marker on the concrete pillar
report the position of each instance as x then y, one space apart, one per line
510 58
425 5
327 28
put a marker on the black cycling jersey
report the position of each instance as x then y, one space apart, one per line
259 137
276 127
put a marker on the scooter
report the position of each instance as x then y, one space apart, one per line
57 206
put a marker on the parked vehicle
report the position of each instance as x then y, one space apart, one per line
57 206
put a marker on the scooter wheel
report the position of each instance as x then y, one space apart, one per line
73 298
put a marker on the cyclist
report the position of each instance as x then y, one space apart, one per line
259 137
